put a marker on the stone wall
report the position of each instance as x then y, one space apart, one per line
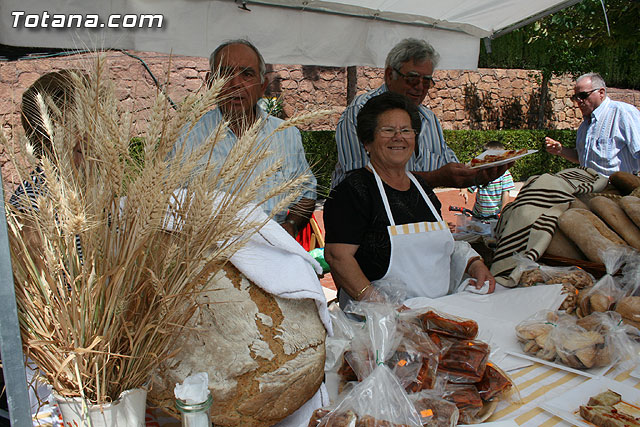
481 99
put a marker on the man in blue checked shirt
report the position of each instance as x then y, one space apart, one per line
243 62
608 139
409 71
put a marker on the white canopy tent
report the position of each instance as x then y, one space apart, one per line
309 32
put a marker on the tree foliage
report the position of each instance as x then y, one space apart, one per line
577 40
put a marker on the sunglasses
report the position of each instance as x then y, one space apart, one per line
583 95
413 79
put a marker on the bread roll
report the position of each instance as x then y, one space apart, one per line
588 232
562 246
629 309
615 217
625 182
631 206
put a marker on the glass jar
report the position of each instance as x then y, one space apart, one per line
195 414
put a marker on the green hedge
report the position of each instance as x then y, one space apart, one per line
320 148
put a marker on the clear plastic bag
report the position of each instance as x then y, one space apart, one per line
375 402
604 294
443 324
434 411
464 361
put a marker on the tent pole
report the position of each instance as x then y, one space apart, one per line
10 342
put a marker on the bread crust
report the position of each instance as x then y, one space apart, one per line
624 181
612 214
631 206
588 232
562 246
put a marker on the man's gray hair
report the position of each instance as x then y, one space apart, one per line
596 80
261 64
411 49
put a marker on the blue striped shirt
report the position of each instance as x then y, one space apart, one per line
433 151
285 144
609 139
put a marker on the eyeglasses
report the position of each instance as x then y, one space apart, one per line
389 132
583 95
413 78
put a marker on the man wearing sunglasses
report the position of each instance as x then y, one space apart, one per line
608 139
409 71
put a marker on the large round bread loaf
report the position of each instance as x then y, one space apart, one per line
612 214
631 206
625 182
588 232
264 354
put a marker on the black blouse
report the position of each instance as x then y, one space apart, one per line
354 214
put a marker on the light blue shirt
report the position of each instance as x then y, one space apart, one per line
285 144
433 151
609 139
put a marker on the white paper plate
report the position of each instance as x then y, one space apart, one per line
589 373
499 162
567 405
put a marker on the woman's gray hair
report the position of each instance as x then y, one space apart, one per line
411 49
261 64
596 80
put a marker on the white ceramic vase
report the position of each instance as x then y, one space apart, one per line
127 411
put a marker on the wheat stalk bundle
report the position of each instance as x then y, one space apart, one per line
108 258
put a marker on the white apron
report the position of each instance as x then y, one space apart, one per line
420 251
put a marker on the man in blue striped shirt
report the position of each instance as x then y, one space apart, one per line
409 71
242 61
608 139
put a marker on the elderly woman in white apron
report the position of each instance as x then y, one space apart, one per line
383 222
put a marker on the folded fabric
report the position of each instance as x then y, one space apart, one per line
467 286
274 261
527 224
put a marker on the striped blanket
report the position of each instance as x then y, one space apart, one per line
527 224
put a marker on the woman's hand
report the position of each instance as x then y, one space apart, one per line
479 274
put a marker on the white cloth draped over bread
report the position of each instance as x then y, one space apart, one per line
527 225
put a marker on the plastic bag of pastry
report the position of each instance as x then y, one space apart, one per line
415 361
378 338
442 323
467 400
496 384
603 295
527 272
464 361
534 334
620 344
377 401
343 333
579 348
435 411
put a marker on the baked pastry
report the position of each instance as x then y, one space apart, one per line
606 398
607 416
629 309
433 321
490 158
531 278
